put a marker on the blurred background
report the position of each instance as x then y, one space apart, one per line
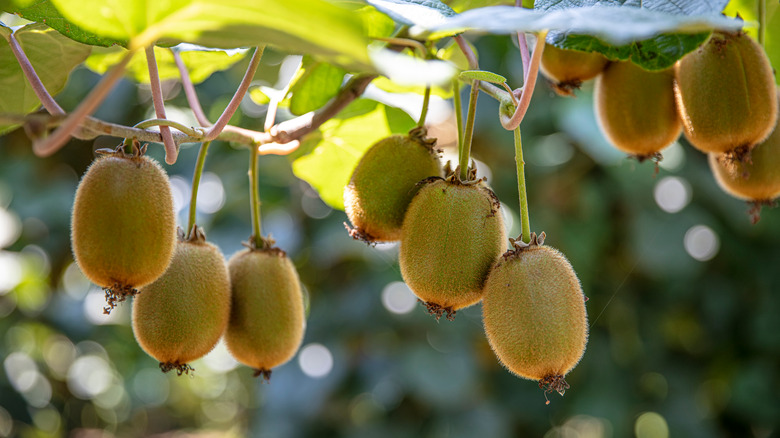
684 294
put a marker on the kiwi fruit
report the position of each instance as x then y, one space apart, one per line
384 183
534 314
757 179
726 94
267 315
636 108
181 316
568 69
123 225
452 233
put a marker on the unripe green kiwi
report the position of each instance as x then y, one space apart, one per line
267 316
384 183
452 234
534 314
181 316
123 227
726 94
756 179
568 69
636 109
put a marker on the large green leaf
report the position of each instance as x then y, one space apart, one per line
315 86
425 13
316 27
200 63
748 10
52 55
43 11
328 157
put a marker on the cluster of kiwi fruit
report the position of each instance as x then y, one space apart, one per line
186 297
452 255
722 96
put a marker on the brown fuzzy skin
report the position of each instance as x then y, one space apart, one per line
726 94
181 316
384 183
452 235
755 180
636 109
568 69
534 313
267 318
123 226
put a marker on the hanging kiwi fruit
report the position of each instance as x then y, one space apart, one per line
453 231
534 313
568 69
726 94
636 109
384 183
181 316
123 225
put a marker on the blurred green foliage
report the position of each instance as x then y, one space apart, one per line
677 344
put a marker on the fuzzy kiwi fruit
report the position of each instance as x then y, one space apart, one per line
452 234
267 315
384 183
534 314
726 94
636 109
123 225
568 69
757 179
181 316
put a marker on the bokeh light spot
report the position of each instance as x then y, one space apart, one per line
651 425
701 243
315 360
398 298
672 194
211 193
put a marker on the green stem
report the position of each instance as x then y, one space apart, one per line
426 101
204 148
465 150
458 111
761 21
254 199
525 222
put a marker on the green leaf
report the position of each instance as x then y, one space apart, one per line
316 27
464 5
615 25
318 83
43 11
327 158
200 62
425 13
259 96
481 75
53 57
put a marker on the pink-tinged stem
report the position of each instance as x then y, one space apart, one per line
32 77
60 136
466 49
189 91
171 152
238 97
528 87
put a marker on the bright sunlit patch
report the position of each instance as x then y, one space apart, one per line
180 188
651 425
89 376
315 360
672 194
398 298
10 271
24 376
701 243
94 303
10 228
219 359
211 193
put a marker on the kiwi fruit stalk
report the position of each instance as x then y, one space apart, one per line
181 316
267 315
756 179
568 69
384 183
636 109
123 225
726 94
534 314
452 233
